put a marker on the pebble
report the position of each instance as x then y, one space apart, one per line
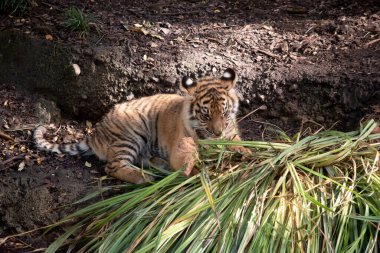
76 69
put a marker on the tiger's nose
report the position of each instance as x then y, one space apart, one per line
217 133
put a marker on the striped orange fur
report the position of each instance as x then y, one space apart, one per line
163 125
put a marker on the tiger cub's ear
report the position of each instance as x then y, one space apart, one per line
188 85
229 77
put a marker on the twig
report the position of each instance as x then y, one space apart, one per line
258 50
372 42
98 41
135 13
262 107
6 136
215 40
179 13
59 128
217 26
266 53
26 127
4 239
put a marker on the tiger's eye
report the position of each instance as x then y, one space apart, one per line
205 116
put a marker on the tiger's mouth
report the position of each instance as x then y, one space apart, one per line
206 134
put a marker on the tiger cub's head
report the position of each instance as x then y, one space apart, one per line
213 105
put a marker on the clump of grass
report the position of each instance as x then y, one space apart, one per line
76 20
320 193
17 7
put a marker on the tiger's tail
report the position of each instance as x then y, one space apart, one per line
70 149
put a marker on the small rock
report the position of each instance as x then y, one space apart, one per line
93 67
165 30
153 45
76 69
293 87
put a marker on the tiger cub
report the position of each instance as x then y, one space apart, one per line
163 125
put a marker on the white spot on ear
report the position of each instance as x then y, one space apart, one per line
227 75
189 82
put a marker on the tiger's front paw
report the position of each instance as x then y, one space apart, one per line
184 156
242 150
246 152
189 148
128 174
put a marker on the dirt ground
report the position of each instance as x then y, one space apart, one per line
36 188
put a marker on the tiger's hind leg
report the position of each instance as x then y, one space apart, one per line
120 159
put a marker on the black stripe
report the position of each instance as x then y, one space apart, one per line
144 122
61 148
154 138
79 149
207 85
205 102
106 135
207 93
127 145
142 136
118 135
118 124
191 109
73 147
119 156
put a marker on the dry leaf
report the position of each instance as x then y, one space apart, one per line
40 159
22 148
88 124
70 131
87 164
140 29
